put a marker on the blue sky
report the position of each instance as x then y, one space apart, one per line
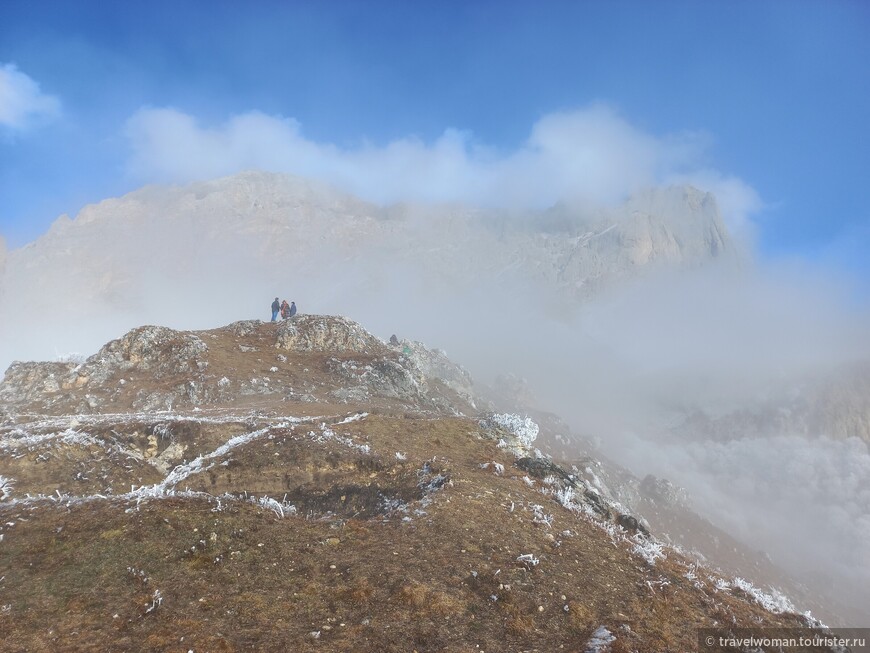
766 102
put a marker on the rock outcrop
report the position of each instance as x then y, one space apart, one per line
310 358
160 351
321 333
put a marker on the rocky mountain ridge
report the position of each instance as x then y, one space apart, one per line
191 370
141 483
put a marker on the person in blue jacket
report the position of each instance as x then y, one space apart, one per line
276 306
292 309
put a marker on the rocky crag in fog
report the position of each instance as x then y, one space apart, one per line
177 254
351 493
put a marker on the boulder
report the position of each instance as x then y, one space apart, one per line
326 333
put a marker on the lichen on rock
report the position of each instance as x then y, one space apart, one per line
307 333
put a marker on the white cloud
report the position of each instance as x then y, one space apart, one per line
22 103
806 501
586 156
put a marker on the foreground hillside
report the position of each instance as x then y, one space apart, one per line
304 486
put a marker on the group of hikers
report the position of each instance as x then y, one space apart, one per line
286 310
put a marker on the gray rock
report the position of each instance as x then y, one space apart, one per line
307 333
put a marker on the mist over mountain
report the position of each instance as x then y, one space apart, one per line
646 325
182 255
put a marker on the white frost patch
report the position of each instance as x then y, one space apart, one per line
401 456
6 486
540 517
353 418
523 428
774 601
722 585
327 434
19 439
528 559
600 641
224 382
648 549
68 436
280 508
156 601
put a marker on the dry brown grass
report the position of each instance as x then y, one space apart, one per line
520 625
428 602
360 591
580 615
396 585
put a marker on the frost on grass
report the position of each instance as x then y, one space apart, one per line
528 559
515 433
280 508
523 429
353 418
156 602
773 601
600 641
722 585
540 517
328 435
5 487
195 466
648 549
18 439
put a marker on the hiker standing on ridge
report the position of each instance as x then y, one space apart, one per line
292 309
285 310
276 306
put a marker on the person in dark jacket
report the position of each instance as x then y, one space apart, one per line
276 306
292 309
